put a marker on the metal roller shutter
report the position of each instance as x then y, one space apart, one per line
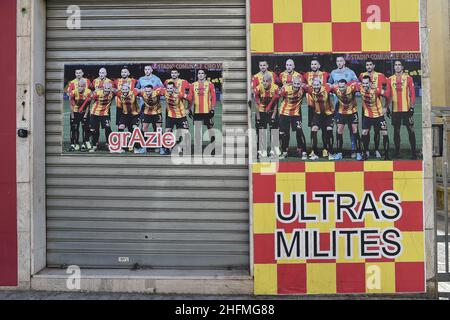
158 215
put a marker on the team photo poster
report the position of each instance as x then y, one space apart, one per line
139 108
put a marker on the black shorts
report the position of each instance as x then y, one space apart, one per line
405 118
322 120
288 123
377 123
78 117
118 115
265 119
347 118
129 120
96 121
310 116
205 118
178 123
152 119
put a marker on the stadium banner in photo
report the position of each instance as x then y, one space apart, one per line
338 170
138 108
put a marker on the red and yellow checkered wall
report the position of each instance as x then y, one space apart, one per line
404 274
338 26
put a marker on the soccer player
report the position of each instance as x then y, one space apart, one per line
309 77
79 75
403 99
373 115
291 117
378 80
100 115
125 79
129 118
347 114
342 72
202 95
80 100
287 76
263 69
152 109
266 98
181 85
323 116
149 79
99 83
176 112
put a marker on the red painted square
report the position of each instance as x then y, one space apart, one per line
349 166
412 217
378 182
408 165
410 277
319 181
261 11
405 36
350 278
347 37
291 278
316 10
264 187
370 8
264 248
288 37
296 167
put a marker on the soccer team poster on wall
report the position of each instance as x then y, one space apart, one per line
338 171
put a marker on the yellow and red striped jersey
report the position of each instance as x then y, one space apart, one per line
99 84
321 100
309 77
118 83
202 96
152 102
180 84
80 101
347 103
371 102
287 78
266 99
292 101
378 79
402 92
174 102
74 84
129 103
257 79
102 103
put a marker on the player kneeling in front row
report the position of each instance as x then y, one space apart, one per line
373 115
152 109
80 100
266 98
291 117
323 117
347 114
131 110
100 115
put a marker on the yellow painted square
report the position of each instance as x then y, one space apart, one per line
264 218
320 167
265 168
413 247
342 245
380 277
378 166
377 40
321 278
290 261
287 11
371 222
266 279
409 185
261 35
350 182
346 10
404 10
317 37
290 182
314 209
